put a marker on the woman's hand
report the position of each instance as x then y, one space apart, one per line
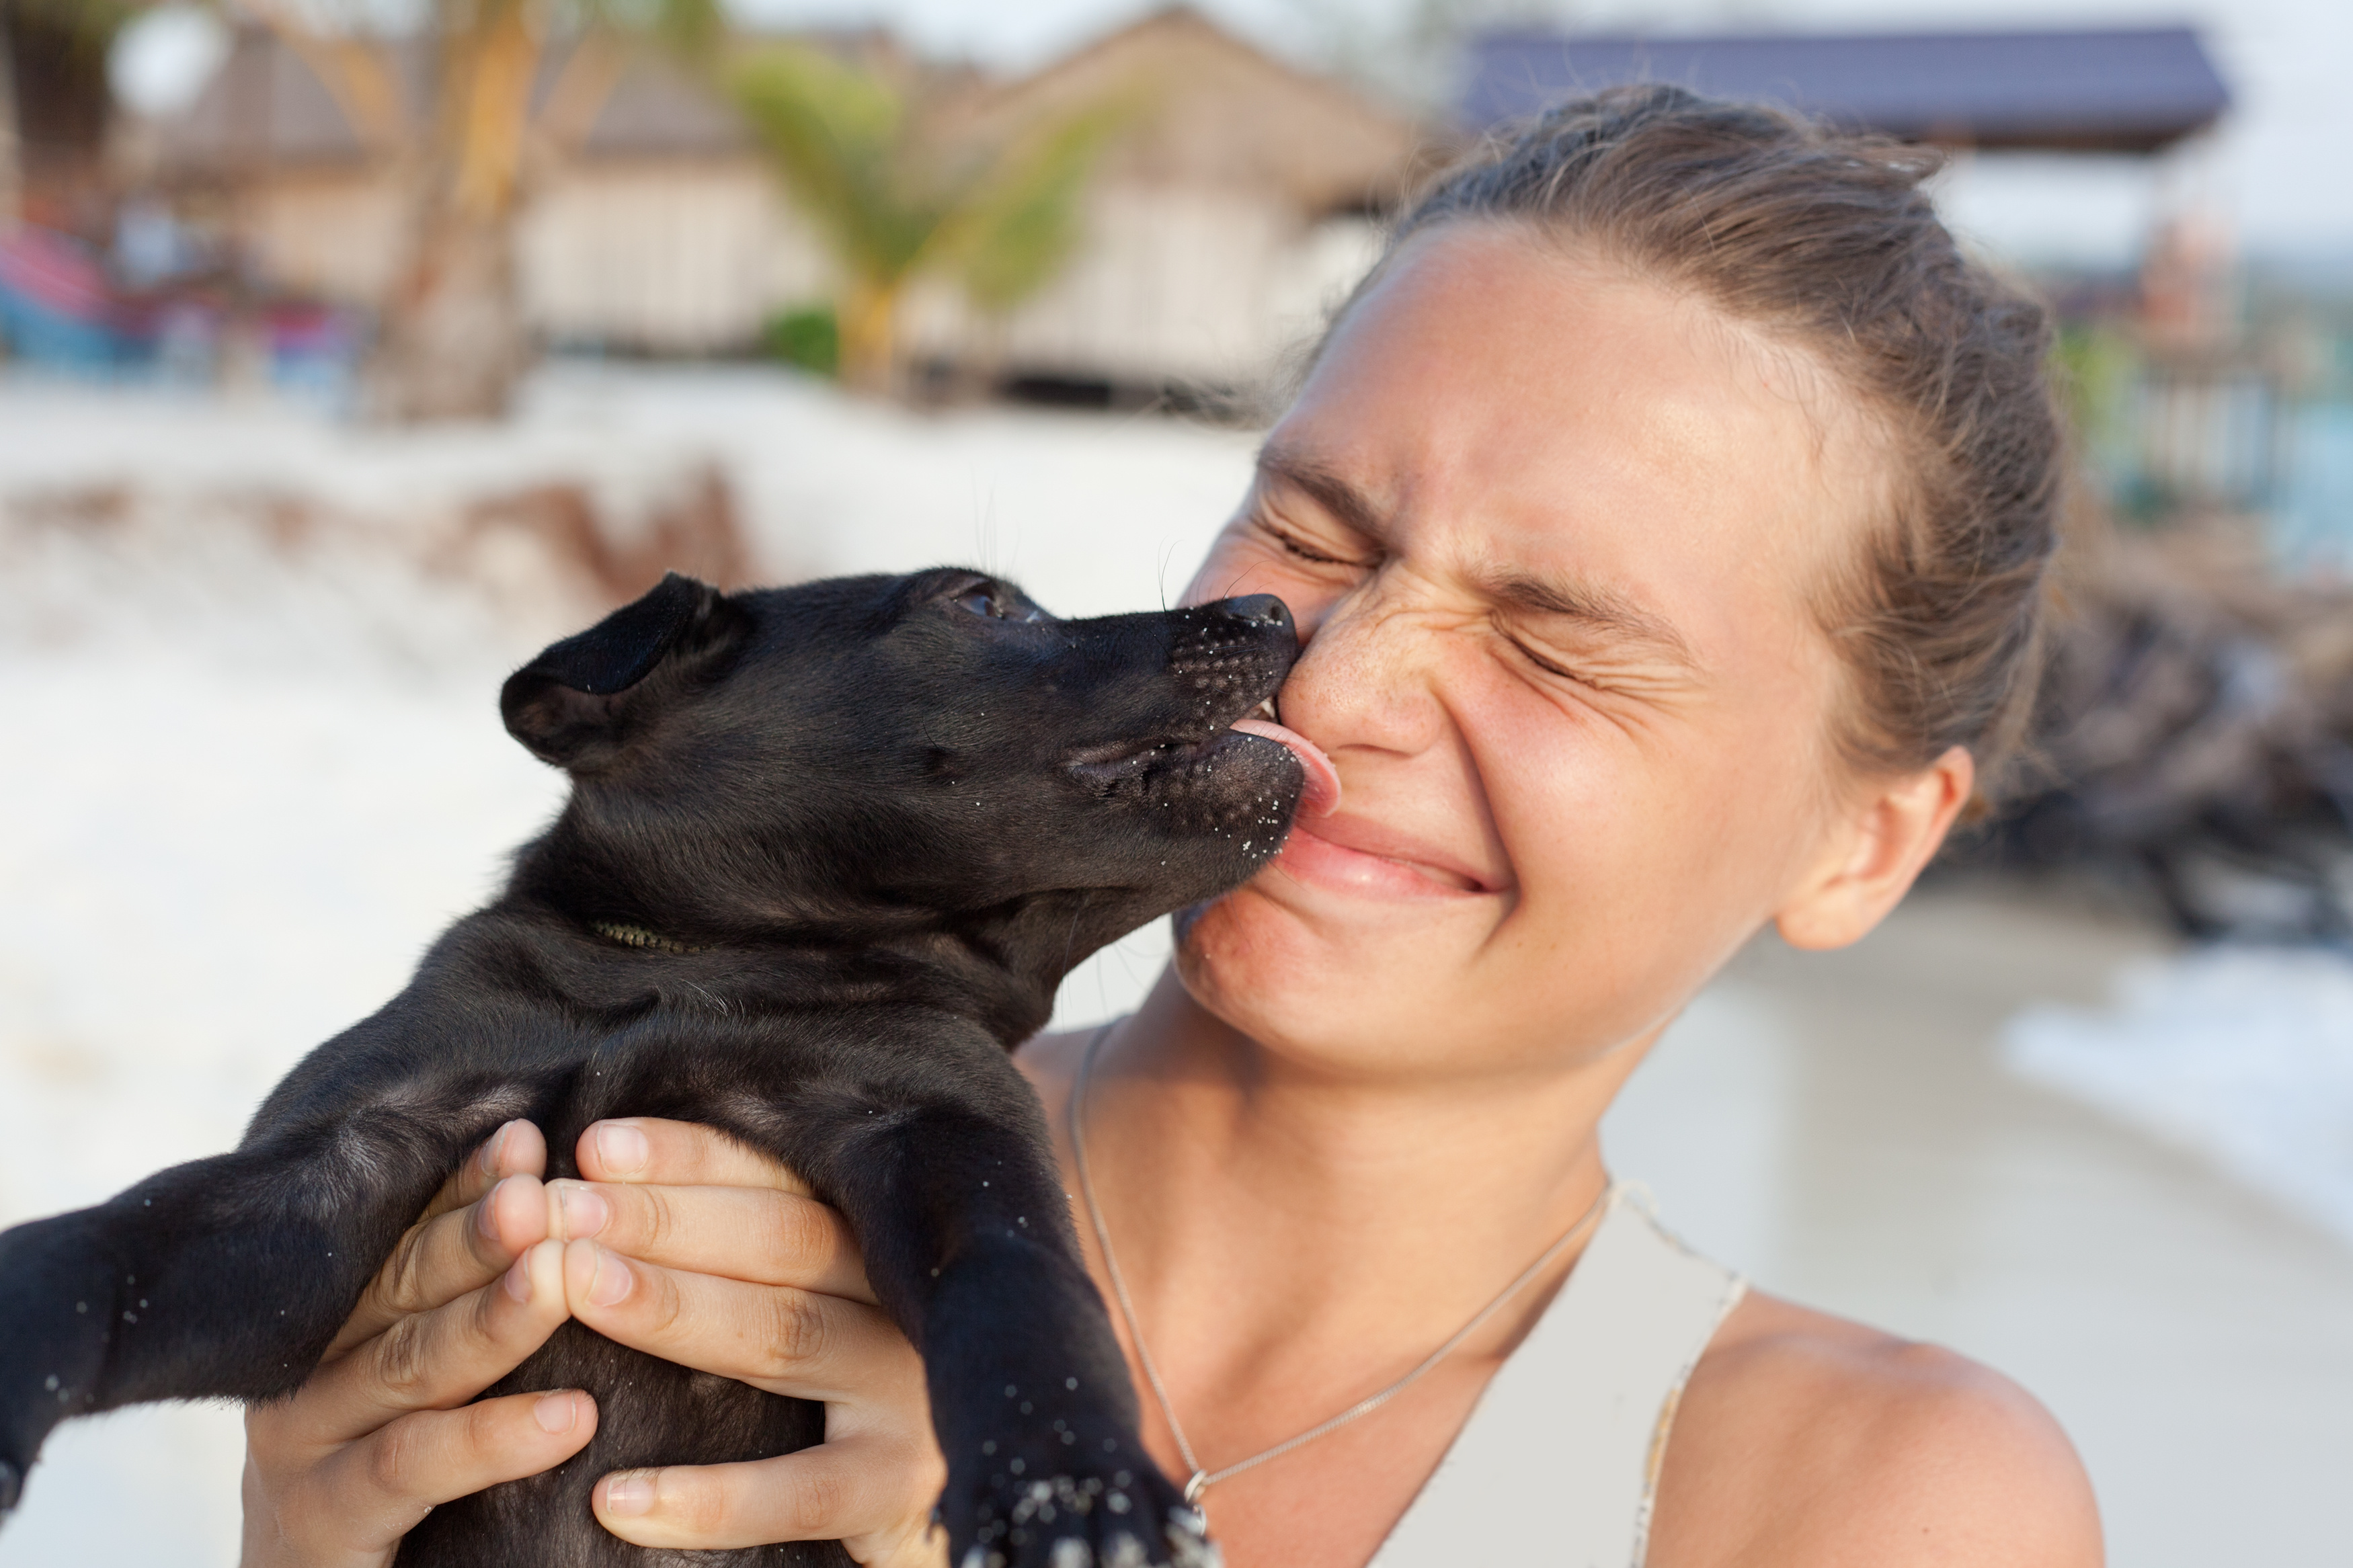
689 1247
682 1244
382 1431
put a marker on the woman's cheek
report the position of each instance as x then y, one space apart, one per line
1581 805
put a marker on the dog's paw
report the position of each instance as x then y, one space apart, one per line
1041 1507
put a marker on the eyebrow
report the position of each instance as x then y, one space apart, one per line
1335 495
1602 608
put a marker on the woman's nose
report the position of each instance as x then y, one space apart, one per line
1365 677
1258 609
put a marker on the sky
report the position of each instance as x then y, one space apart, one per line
2277 170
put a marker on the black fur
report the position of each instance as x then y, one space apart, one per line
892 813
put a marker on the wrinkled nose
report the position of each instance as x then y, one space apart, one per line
1258 609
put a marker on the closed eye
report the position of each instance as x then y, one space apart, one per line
1601 668
1294 546
1548 666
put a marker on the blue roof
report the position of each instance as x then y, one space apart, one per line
2131 91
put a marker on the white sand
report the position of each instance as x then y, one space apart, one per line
247 789
243 793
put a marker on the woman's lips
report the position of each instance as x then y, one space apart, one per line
1353 856
1351 853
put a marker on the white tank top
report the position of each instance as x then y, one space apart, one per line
1558 1464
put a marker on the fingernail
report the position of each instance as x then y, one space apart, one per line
518 1279
489 1156
630 1492
485 1217
556 1412
582 1210
621 1147
613 1280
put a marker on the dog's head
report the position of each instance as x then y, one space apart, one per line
881 756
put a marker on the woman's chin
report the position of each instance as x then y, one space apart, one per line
1268 966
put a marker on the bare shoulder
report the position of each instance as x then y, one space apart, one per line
1806 1439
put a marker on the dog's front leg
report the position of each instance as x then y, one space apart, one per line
226 1277
959 1207
1031 1395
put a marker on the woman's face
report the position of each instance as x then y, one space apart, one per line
1553 533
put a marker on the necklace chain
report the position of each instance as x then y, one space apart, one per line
1200 1480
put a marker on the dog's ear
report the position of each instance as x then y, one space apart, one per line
566 705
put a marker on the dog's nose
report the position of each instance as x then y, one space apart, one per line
1258 609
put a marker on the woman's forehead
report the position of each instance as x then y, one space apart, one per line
1499 399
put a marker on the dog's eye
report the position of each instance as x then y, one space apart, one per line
980 601
985 600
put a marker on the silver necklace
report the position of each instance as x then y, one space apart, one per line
1200 1480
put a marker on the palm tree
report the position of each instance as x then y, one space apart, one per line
58 50
452 340
12 168
897 196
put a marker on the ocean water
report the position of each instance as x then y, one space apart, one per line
2242 1056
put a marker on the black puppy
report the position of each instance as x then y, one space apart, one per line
828 853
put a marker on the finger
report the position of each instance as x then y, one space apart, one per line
517 1149
835 1492
754 1234
377 1488
440 1359
788 1342
442 1259
678 1154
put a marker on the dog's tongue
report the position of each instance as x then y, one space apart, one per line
1322 796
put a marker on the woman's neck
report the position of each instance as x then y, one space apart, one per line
1263 1211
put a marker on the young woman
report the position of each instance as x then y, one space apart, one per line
1666 518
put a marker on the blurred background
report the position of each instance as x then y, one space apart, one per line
353 349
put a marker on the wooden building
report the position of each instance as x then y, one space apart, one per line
654 227
1237 205
1242 202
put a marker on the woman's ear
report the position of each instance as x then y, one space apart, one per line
1872 858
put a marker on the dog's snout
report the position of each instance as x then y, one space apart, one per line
1258 609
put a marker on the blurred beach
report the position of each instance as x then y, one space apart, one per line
298 460
252 770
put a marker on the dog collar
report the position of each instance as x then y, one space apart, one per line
639 936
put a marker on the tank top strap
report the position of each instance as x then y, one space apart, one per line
1558 1465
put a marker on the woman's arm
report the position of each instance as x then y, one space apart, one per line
680 1244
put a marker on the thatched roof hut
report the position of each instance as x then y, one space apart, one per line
1234 206
651 225
1239 202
